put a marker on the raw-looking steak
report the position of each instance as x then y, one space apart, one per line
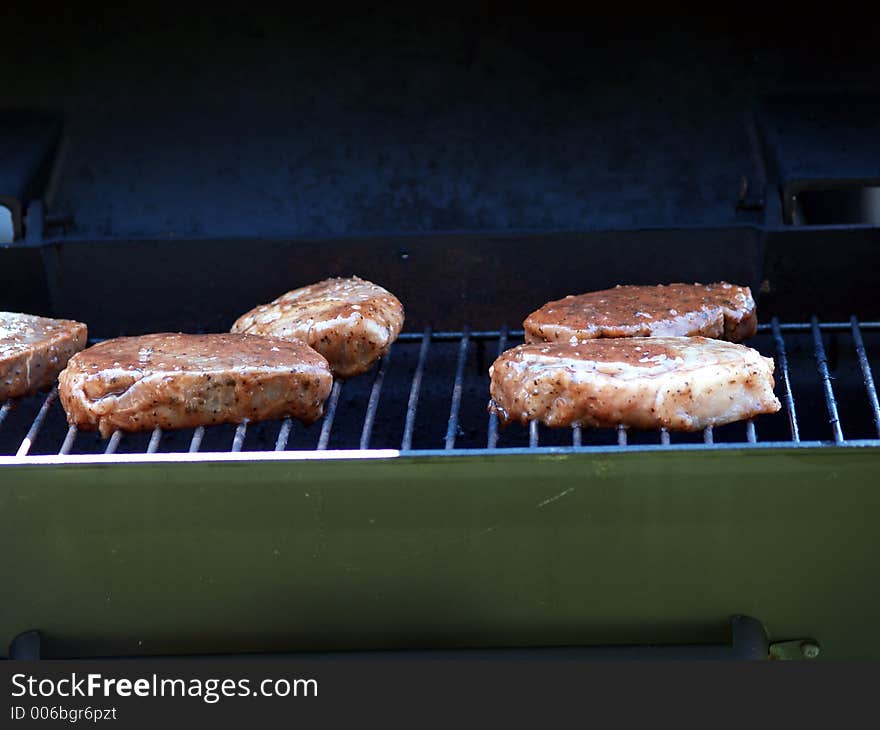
350 321
182 381
680 383
721 311
33 350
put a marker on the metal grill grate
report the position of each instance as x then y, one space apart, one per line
430 394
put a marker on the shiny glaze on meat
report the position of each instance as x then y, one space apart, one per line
181 381
723 311
350 321
33 350
680 383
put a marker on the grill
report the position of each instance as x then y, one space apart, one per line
477 165
429 394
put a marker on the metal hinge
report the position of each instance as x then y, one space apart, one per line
794 650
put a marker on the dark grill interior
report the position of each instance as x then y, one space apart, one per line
430 394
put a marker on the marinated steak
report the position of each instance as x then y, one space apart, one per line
351 322
681 383
33 350
721 311
181 381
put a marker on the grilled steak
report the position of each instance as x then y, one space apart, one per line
33 350
351 322
682 383
181 381
721 310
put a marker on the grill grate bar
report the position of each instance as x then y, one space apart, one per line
34 430
4 411
283 434
808 326
822 365
576 435
621 435
456 390
332 402
533 434
196 442
452 336
492 435
155 438
240 434
664 436
708 435
373 403
113 443
867 375
788 395
68 441
751 434
415 391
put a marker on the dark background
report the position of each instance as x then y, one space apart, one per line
386 119
476 161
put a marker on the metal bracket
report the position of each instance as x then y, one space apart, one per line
26 646
794 650
29 143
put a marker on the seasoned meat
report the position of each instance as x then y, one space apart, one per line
721 311
351 322
181 381
682 383
33 350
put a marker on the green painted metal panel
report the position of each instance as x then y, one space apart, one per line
430 552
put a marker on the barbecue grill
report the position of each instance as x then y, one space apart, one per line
406 517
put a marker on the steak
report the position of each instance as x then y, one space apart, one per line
182 381
33 350
721 311
351 322
680 383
